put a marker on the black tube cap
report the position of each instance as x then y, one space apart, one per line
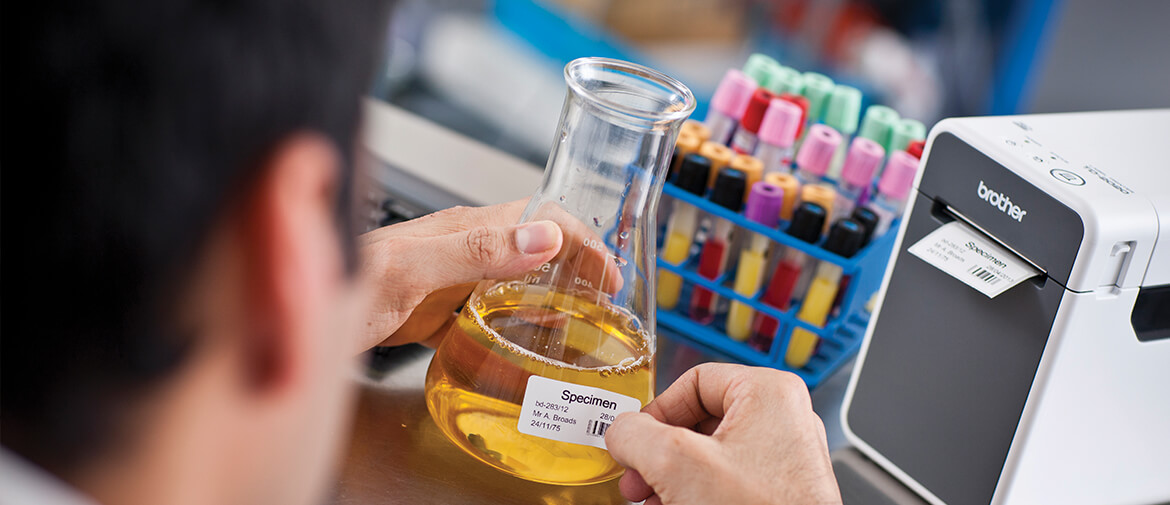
868 219
730 187
845 237
693 174
807 222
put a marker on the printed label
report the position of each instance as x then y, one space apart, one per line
970 257
572 413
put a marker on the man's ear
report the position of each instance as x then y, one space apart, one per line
294 260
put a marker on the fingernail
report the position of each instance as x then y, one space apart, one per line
537 237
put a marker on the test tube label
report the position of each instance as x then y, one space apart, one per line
572 413
972 259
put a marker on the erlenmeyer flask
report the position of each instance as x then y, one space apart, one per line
536 367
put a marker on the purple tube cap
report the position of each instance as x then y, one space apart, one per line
817 151
898 177
734 91
862 161
781 123
764 203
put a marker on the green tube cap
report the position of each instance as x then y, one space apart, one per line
878 125
906 131
760 67
843 109
785 80
817 88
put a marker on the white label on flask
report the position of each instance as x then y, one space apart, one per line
972 259
568 412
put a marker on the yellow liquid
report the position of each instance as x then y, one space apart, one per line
747 282
477 379
669 283
814 310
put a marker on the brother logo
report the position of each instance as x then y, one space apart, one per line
1001 202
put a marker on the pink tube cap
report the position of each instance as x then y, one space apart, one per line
898 177
734 91
862 161
764 204
817 151
781 122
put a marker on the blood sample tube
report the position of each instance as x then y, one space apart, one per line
906 131
728 104
802 103
752 168
687 143
728 193
778 135
763 206
892 189
841 113
760 67
868 221
860 165
697 129
785 80
745 139
791 187
681 227
806 225
812 161
719 154
878 124
817 88
821 194
844 240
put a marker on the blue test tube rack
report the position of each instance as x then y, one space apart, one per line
841 336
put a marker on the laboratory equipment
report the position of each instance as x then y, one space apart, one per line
763 206
745 139
841 114
778 135
816 152
893 189
845 239
681 226
687 143
720 156
1035 371
806 227
878 125
728 104
713 258
535 367
751 168
857 174
906 131
817 88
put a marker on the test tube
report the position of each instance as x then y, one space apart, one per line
892 189
817 88
681 227
844 240
687 143
763 206
785 80
760 67
720 156
812 161
802 103
728 104
745 139
878 125
915 148
728 193
841 113
697 129
905 132
778 135
860 165
806 225
752 168
821 194
868 221
791 188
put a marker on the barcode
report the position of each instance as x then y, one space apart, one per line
596 428
984 275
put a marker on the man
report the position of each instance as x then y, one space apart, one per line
183 291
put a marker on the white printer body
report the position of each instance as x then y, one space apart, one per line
1057 390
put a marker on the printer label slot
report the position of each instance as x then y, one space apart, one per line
971 257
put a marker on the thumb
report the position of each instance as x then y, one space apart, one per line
487 252
655 450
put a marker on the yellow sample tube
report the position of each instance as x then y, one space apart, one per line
763 207
681 227
845 239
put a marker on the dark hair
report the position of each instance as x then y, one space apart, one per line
129 128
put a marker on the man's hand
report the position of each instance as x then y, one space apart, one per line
725 434
423 270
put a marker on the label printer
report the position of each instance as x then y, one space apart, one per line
1020 349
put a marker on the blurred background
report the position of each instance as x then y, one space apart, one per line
492 70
